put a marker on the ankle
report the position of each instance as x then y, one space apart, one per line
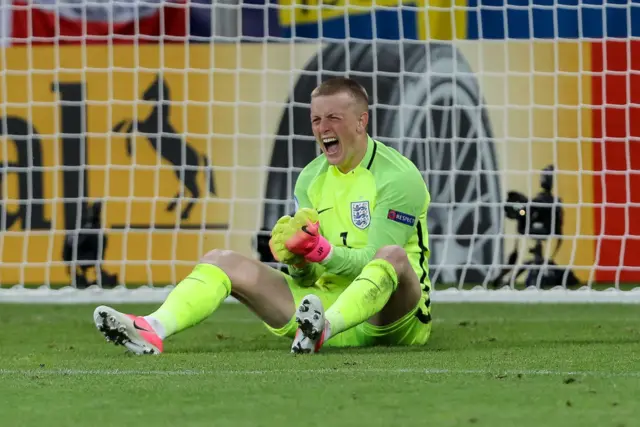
157 326
326 334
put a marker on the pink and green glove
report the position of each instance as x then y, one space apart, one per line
281 232
307 240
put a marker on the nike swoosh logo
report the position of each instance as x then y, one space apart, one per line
324 210
135 325
304 229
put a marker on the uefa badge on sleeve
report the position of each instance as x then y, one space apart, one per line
360 214
401 217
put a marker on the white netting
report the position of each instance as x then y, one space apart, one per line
183 127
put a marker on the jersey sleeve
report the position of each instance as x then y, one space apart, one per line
393 222
309 272
301 191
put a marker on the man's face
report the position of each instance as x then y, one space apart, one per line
337 124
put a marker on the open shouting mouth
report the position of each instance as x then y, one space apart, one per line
331 145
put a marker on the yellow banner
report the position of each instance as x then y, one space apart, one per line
177 143
315 11
434 19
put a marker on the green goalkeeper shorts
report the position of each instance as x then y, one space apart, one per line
414 328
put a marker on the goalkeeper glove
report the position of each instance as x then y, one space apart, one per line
279 235
307 240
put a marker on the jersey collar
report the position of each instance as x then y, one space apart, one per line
367 160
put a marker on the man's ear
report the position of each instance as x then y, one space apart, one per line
363 122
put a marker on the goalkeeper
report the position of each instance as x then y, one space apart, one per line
356 249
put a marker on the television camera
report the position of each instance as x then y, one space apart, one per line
540 219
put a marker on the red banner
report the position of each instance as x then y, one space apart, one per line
66 22
616 156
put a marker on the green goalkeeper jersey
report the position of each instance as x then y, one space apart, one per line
381 202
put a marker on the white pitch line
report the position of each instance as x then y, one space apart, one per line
390 371
477 320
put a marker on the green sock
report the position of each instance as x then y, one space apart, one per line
364 297
192 301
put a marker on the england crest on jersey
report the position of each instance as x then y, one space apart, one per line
360 214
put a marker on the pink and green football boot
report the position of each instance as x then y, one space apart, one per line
312 326
132 332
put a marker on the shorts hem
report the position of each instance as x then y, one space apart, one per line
377 331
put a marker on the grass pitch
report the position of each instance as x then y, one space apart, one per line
485 365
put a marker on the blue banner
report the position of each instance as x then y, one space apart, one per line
437 20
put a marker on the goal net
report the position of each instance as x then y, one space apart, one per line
138 135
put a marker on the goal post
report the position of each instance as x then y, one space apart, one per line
138 153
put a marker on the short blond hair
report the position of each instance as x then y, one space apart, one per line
343 84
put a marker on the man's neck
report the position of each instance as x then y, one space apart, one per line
353 162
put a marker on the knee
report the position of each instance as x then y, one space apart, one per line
394 255
222 258
241 270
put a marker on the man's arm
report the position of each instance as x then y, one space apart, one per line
393 221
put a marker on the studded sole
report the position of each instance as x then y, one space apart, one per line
116 333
